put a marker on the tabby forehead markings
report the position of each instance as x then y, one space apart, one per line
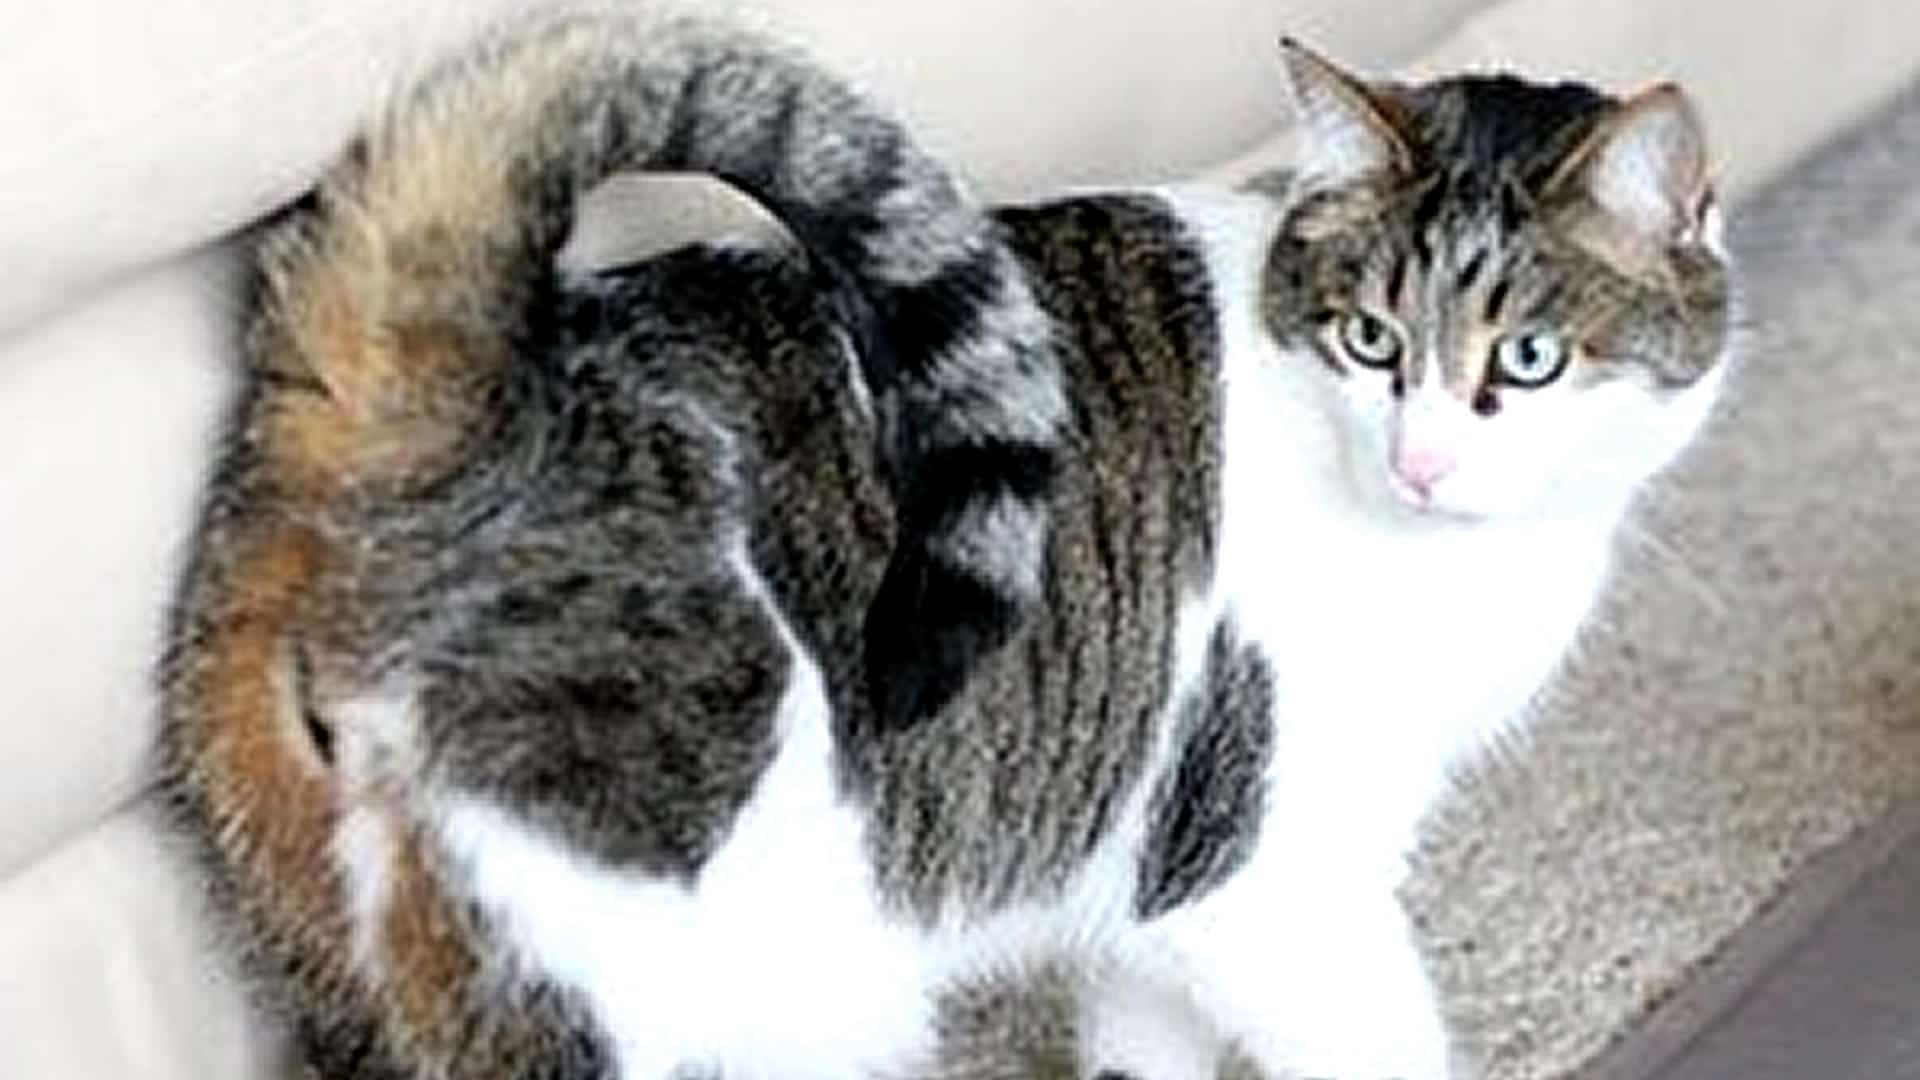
1496 299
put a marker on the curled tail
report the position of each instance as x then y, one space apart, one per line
451 211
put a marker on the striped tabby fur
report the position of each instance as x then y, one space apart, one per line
745 663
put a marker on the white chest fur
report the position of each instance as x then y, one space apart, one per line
1399 641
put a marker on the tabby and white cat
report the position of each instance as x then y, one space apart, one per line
706 667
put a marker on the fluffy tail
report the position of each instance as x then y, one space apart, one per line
453 208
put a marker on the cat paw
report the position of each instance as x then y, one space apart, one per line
1135 1029
1413 1046
1424 1062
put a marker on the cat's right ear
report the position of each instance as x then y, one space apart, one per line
1348 135
1646 167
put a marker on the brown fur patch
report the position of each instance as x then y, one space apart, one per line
278 814
387 399
429 952
275 812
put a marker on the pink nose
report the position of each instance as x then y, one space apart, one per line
1421 467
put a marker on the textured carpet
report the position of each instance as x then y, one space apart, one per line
1750 692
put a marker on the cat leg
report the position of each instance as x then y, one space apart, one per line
1382 1019
1313 974
1136 1027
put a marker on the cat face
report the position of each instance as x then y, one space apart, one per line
1517 290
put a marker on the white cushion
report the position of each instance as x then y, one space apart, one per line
106 969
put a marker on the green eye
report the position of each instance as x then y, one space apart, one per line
1529 360
1369 340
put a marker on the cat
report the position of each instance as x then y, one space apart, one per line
725 663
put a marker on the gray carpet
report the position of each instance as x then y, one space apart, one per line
1750 694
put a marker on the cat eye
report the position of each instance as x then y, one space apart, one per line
1530 360
1369 340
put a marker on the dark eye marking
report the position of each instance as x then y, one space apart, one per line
1422 249
1427 210
1497 299
1512 211
1470 273
1397 280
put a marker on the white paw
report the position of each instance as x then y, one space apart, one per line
1131 1029
1383 1025
1408 1046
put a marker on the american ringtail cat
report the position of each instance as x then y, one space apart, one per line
699 666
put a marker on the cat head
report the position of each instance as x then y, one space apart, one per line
1518 289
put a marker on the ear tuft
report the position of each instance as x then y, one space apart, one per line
1349 135
1646 167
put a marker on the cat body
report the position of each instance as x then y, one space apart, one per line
528 718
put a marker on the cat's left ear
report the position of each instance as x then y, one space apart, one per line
1646 166
1349 131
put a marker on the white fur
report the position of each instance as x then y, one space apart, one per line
375 751
364 849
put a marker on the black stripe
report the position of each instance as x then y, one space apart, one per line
926 630
1427 210
1422 250
1397 280
1497 298
771 158
948 481
294 381
883 154
842 225
908 327
677 149
1504 118
1512 208
1470 273
319 732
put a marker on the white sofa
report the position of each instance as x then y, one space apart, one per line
136 134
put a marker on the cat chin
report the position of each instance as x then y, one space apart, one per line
1416 510
1451 507
1445 515
1457 510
